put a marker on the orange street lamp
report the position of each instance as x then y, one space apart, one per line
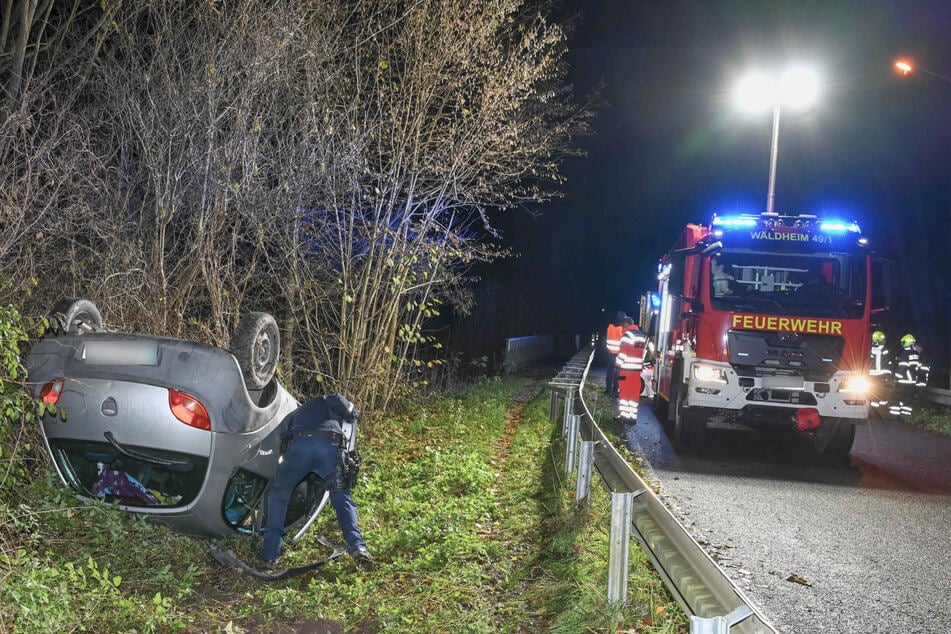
907 66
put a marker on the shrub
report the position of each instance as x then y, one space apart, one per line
21 444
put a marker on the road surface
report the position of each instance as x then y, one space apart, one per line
855 549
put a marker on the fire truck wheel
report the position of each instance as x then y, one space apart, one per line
677 412
690 424
692 428
841 443
661 409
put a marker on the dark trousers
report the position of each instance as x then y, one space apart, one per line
610 376
309 453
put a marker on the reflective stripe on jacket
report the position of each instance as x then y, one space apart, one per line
613 338
631 353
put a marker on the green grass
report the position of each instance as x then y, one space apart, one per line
463 501
932 417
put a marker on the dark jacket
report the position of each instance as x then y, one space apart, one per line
322 413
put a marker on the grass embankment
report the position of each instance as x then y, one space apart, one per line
463 501
936 418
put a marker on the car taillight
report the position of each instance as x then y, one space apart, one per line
51 391
188 409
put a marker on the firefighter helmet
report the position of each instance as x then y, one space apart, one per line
878 337
907 340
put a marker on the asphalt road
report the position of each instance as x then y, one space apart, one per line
848 549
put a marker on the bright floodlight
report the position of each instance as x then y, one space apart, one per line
756 92
799 88
904 66
796 88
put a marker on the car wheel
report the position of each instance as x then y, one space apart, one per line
77 316
256 345
307 497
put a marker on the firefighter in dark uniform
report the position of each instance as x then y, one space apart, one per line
910 375
314 441
911 371
881 373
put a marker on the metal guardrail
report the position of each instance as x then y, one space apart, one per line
937 395
714 603
524 351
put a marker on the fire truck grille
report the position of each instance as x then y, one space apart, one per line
758 354
792 397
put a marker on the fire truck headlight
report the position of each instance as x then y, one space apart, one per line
857 384
708 373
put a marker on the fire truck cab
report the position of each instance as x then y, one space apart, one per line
764 323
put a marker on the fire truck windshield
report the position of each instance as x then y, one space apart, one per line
788 284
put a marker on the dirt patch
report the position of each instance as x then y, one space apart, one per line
513 418
301 626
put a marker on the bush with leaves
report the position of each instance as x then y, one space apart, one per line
334 164
21 446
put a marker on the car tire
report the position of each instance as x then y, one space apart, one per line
256 345
77 316
305 499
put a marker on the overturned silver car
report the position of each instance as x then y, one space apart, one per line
185 433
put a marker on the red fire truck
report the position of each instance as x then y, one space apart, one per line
765 323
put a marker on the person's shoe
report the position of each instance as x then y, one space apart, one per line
362 557
268 565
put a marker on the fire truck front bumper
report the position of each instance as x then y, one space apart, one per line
773 401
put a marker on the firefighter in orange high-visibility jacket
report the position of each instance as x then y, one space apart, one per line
612 341
630 362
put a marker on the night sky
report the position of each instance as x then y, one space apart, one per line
670 147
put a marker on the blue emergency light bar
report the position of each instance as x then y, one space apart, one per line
775 221
734 222
836 226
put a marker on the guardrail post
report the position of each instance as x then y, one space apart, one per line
583 485
693 577
569 409
719 624
554 403
572 444
619 548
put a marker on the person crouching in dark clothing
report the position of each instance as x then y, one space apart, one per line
314 441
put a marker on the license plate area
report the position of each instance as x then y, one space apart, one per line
795 383
120 353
